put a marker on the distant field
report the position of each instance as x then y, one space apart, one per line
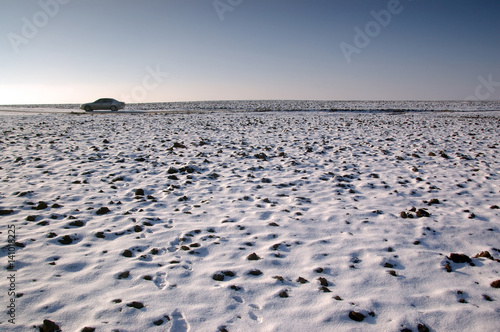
284 105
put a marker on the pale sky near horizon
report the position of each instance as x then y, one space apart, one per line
75 51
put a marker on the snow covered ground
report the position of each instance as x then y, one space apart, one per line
276 105
250 221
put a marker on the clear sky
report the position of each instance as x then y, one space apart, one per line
75 51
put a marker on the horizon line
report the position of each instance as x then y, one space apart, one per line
263 100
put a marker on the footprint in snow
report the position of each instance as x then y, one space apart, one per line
174 245
252 315
179 323
265 215
238 301
160 280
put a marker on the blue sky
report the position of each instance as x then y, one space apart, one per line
75 51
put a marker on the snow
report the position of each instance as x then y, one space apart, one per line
314 195
277 105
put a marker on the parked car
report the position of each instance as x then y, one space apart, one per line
103 104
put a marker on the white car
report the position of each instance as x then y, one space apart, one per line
103 104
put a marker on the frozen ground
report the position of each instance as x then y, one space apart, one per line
249 221
277 105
